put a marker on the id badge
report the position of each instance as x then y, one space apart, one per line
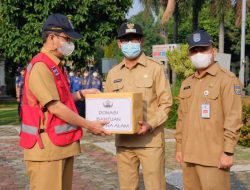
205 111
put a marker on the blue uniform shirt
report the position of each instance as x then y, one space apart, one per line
97 83
19 81
76 83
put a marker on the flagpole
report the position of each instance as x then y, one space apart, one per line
243 41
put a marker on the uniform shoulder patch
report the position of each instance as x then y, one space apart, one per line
229 73
237 89
156 61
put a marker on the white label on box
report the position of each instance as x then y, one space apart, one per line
116 110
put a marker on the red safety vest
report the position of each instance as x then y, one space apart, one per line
59 132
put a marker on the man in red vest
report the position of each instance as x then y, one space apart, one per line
51 127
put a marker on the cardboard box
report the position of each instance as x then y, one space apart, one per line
123 110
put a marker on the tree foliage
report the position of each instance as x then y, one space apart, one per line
244 139
180 62
21 23
151 30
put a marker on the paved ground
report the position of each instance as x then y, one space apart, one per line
95 168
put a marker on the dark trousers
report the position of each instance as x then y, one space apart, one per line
80 106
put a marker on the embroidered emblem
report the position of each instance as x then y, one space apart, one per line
55 71
196 37
130 25
130 28
237 89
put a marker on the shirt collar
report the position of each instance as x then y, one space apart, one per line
52 56
212 70
141 60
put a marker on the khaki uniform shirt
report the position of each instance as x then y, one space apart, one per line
42 85
147 77
202 141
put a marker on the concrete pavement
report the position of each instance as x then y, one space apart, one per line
95 168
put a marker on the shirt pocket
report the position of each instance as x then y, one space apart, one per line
212 100
144 86
117 87
185 97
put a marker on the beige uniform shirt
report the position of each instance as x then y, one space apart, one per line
203 140
43 87
147 77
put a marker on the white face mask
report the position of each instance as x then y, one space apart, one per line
71 74
67 48
95 74
201 61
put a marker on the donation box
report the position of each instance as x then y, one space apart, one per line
122 110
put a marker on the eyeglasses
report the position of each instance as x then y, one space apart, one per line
64 37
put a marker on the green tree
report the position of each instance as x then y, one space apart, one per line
185 6
151 30
21 23
180 62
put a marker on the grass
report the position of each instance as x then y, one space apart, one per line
8 113
4 105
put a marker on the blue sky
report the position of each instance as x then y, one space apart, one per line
136 7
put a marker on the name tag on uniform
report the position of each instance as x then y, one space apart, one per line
205 111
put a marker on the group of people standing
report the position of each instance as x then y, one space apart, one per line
87 79
207 129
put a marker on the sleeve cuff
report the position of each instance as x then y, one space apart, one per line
153 124
229 148
46 101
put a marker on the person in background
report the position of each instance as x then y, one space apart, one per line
76 82
209 119
19 86
92 79
85 78
71 76
96 81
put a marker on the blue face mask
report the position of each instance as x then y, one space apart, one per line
131 50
